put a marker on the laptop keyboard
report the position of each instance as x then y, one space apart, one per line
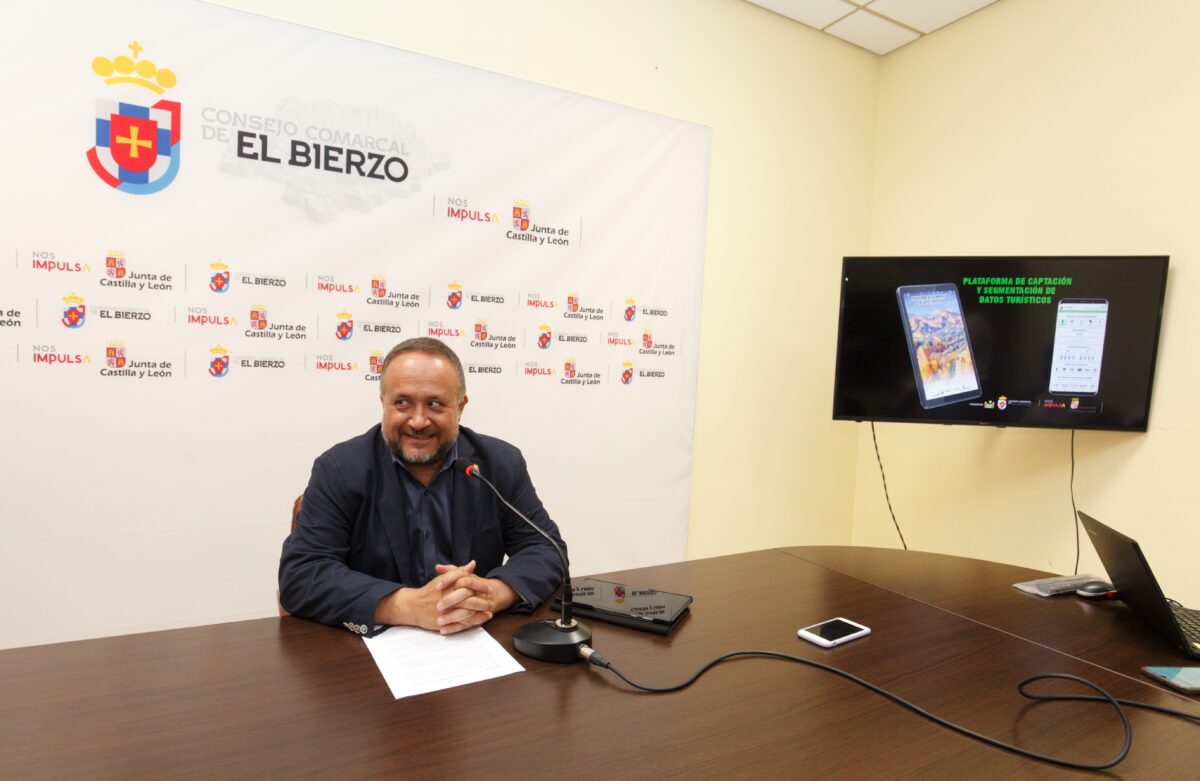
1189 622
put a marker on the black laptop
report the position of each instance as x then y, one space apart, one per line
1137 588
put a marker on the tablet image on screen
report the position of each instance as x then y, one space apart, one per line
938 346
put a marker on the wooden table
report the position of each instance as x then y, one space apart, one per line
286 698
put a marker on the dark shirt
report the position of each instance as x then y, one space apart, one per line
429 532
429 528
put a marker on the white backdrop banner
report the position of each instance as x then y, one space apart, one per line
214 227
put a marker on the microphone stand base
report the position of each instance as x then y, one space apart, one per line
551 641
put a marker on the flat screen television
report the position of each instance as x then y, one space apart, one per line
1047 342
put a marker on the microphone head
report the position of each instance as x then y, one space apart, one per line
466 466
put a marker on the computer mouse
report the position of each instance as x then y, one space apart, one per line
1096 589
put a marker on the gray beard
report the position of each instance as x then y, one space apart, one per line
437 457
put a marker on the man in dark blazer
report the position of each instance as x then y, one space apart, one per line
390 534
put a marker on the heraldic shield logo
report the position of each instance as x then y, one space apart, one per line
630 310
137 145
75 313
520 215
569 369
481 331
454 297
114 355
219 365
345 326
626 373
378 286
114 266
544 337
219 281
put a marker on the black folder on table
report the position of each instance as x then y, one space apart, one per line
647 609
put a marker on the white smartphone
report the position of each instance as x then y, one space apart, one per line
1185 679
833 632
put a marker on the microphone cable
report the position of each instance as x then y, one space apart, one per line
593 657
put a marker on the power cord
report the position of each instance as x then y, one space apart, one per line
885 490
1074 512
593 657
887 496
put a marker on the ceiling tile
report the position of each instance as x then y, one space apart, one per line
871 32
927 15
814 13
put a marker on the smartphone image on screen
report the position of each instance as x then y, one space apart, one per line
1078 346
938 345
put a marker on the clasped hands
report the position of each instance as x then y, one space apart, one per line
455 600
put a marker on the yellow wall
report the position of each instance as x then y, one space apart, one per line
1055 127
1032 126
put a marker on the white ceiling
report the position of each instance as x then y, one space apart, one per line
880 26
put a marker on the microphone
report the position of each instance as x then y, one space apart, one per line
549 640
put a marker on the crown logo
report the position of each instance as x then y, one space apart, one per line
630 302
344 315
455 286
116 343
218 266
127 70
218 351
73 299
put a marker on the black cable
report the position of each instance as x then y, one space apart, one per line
1089 698
1074 512
885 490
595 658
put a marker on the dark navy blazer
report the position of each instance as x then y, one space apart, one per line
350 547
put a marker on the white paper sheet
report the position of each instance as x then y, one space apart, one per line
415 661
